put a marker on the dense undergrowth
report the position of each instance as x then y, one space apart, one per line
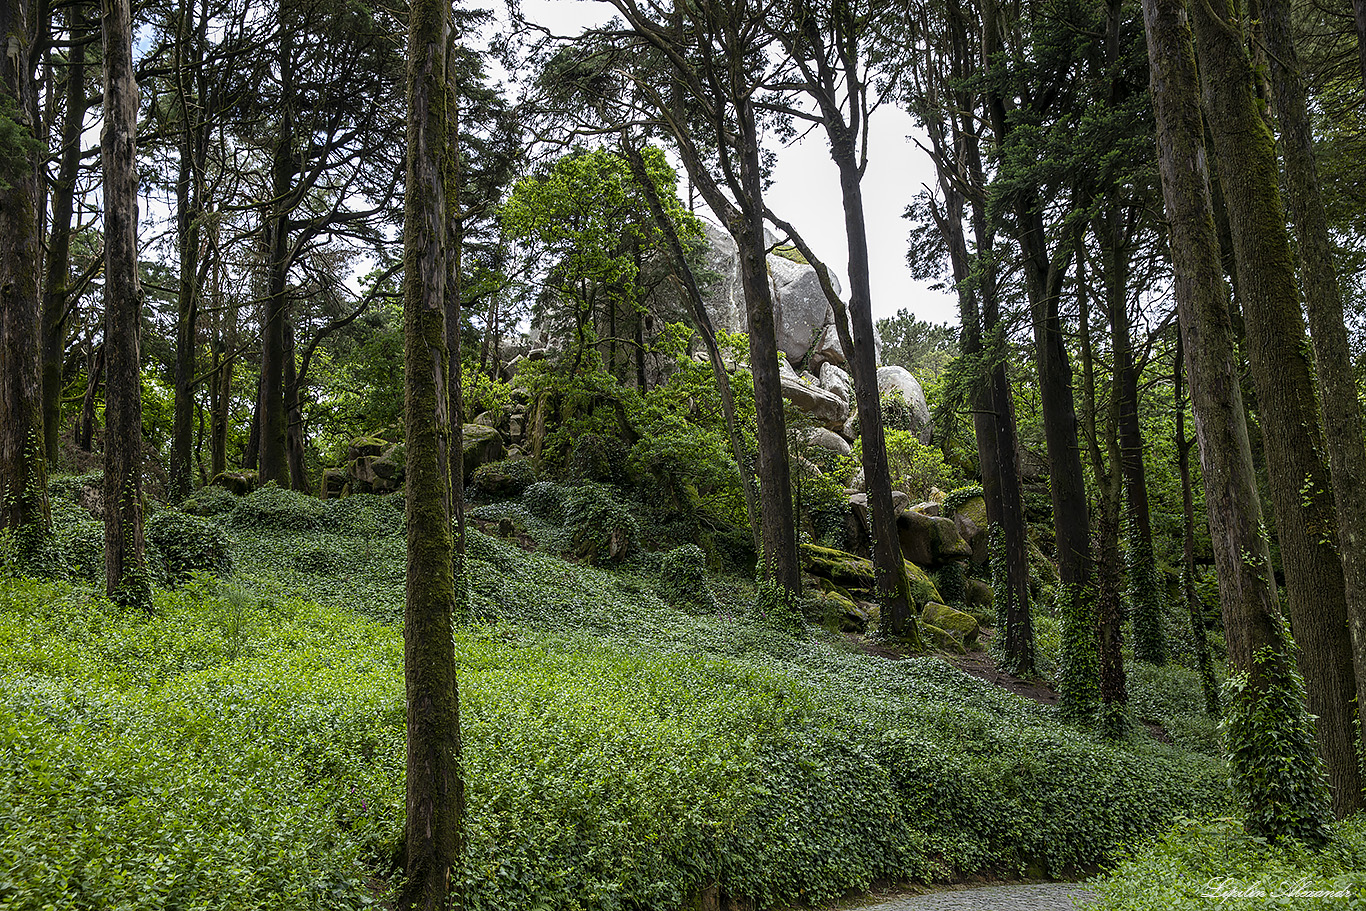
242 747
1213 863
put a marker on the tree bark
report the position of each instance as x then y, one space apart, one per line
1301 486
1252 622
435 790
274 417
1199 633
23 472
124 565
56 289
1328 333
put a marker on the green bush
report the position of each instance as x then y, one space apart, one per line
683 577
546 501
365 514
600 458
273 507
210 501
187 543
1214 863
598 527
914 466
504 478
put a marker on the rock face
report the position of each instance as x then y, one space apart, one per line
962 627
825 439
725 299
806 395
800 310
899 380
481 445
836 382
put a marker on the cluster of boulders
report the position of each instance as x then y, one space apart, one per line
933 544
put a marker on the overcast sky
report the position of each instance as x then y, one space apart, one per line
806 188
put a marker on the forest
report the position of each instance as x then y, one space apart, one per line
437 472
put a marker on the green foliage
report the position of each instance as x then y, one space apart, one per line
1215 863
1146 598
187 543
914 466
504 478
598 527
18 146
546 501
1078 659
210 501
1172 696
923 348
1274 768
960 496
599 458
683 578
482 393
951 580
365 514
277 508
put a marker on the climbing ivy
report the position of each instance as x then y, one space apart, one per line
1145 595
1079 663
1274 770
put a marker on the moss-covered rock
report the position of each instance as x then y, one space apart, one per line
504 478
929 541
941 639
920 586
962 626
239 482
361 447
479 446
599 529
846 570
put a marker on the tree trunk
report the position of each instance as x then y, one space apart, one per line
294 413
23 472
1301 486
55 289
1105 467
1291 799
124 566
224 362
94 374
1328 333
435 791
274 418
454 306
1204 661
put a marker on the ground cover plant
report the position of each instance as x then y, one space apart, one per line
242 746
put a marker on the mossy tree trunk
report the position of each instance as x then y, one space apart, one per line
56 287
1292 793
124 562
435 790
1323 303
1278 353
23 472
1199 633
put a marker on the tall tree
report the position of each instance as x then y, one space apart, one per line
1275 770
1328 333
697 70
1301 486
435 789
57 303
827 45
23 473
124 563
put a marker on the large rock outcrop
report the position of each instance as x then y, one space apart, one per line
898 380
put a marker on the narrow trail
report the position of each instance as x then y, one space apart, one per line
1035 897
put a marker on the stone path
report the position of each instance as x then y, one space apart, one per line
1040 897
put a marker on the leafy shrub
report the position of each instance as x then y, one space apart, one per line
683 577
187 543
365 514
1214 863
600 458
210 501
598 527
81 545
914 466
504 478
273 507
546 501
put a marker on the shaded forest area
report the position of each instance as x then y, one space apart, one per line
539 436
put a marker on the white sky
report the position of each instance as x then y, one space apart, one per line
806 189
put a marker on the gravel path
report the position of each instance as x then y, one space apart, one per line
1041 897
